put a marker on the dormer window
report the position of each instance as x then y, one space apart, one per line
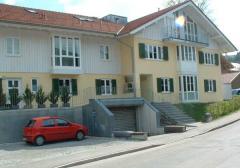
31 11
82 18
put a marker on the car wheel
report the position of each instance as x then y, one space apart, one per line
80 136
39 140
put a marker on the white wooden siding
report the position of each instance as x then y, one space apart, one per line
153 32
36 52
91 56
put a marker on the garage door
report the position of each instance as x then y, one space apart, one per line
125 118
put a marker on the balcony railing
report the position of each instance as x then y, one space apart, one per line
174 33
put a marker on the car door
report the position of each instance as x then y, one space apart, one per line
64 130
48 129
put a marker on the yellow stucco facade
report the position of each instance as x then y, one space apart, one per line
85 84
145 76
147 71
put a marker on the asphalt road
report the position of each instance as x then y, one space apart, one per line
217 149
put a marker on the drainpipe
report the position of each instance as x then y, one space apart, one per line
133 63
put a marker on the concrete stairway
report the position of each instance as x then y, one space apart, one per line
175 115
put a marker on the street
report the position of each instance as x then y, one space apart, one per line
217 149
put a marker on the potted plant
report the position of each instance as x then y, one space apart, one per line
65 97
53 98
41 98
28 98
14 98
2 99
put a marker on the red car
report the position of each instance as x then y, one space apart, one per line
45 129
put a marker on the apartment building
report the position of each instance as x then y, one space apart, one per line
170 55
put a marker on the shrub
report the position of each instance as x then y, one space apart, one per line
53 97
41 98
2 98
65 97
223 108
28 97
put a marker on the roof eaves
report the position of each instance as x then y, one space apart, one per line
56 27
215 26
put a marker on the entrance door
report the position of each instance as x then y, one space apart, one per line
146 84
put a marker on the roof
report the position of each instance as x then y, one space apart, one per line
145 19
15 14
229 77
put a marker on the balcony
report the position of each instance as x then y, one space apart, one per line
187 34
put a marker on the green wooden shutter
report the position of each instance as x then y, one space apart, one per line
114 86
171 85
55 85
216 59
159 85
142 53
214 86
98 86
201 57
74 87
165 53
206 85
1 88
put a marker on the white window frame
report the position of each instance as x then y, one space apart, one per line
8 88
187 53
210 85
105 87
13 53
155 55
106 50
61 56
166 88
64 83
209 58
192 83
190 34
32 85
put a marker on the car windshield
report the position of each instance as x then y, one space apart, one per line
31 123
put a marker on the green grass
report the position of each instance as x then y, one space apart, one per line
195 110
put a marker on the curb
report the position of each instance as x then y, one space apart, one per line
78 163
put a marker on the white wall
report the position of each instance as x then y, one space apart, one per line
227 91
36 52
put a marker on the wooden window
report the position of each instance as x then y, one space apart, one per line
13 46
66 51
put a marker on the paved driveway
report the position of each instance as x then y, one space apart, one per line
23 155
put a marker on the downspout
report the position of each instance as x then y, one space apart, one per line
133 63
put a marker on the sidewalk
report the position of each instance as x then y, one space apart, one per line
58 154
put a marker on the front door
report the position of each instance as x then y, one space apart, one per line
146 84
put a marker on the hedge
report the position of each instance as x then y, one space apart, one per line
223 108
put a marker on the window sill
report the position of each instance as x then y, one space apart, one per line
105 60
9 55
166 92
157 60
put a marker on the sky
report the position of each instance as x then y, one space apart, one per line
224 13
